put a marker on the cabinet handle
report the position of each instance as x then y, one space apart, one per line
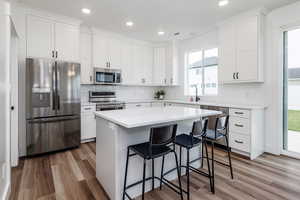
239 113
238 141
91 79
52 54
87 109
233 75
237 75
138 105
165 81
56 54
239 125
171 81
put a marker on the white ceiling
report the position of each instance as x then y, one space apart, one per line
189 17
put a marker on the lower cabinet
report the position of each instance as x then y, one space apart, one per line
246 131
88 123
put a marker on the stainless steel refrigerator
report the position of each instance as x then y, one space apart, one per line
52 105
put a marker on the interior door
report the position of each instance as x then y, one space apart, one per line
40 88
68 88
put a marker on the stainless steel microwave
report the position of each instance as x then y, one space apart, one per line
107 76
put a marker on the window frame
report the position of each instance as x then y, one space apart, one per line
202 67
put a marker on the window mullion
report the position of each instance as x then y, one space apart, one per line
203 88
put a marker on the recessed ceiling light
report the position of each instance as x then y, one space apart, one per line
160 33
86 11
223 3
129 23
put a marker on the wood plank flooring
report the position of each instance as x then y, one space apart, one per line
70 175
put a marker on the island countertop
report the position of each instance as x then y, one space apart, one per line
132 118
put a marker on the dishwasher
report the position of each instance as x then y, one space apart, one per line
212 120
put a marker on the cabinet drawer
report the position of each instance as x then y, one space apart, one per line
239 113
240 142
89 109
239 125
137 105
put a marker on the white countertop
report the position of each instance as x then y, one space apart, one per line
132 118
206 103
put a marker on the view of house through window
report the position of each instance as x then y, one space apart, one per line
202 72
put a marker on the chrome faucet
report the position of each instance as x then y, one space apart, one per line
197 98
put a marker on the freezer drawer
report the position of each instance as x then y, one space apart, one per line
52 134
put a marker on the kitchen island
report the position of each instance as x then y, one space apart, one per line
118 129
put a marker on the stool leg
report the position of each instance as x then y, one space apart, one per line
162 171
144 180
179 175
208 166
152 174
229 156
202 152
213 165
188 172
125 178
180 161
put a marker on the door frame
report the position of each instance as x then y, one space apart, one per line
283 92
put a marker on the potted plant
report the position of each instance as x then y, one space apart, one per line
160 94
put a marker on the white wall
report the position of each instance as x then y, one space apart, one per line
4 100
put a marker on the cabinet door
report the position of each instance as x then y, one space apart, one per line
227 53
114 53
247 49
126 63
67 42
159 66
88 126
172 64
86 74
39 37
137 64
148 64
100 51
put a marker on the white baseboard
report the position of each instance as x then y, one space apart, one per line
6 192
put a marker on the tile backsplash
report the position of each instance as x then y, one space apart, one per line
122 92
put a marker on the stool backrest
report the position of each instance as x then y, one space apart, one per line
199 127
221 125
163 135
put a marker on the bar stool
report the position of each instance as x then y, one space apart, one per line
195 139
161 138
220 131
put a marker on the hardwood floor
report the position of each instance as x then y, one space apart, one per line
71 175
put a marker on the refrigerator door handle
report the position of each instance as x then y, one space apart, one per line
58 101
54 87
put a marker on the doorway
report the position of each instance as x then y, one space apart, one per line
291 97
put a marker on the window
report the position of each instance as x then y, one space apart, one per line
202 72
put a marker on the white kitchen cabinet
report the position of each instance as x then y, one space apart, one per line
40 37
67 42
172 63
47 38
87 71
241 51
126 63
106 51
246 131
100 51
88 123
159 66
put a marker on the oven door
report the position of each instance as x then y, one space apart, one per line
105 77
110 107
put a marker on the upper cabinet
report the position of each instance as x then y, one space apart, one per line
165 64
40 37
87 72
241 50
48 38
159 66
106 51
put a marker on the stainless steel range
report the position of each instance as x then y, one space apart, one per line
105 101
